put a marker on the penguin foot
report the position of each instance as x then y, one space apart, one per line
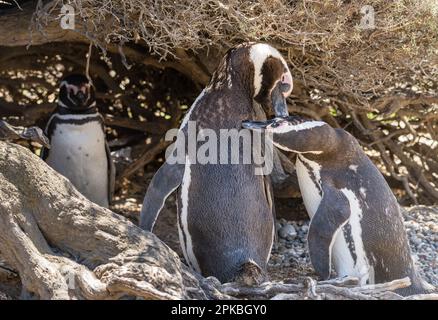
250 274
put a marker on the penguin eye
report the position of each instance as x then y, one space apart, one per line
286 83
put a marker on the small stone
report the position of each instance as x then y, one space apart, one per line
281 250
416 241
287 231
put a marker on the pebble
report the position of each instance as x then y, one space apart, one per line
287 232
416 241
421 224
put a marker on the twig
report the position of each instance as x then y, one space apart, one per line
344 288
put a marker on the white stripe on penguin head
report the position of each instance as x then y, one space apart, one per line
258 54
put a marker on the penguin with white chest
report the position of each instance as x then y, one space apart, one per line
79 150
356 223
225 211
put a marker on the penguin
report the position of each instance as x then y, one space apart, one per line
225 211
356 224
79 149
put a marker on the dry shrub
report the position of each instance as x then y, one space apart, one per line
322 39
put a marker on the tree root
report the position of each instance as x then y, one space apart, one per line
65 247
336 289
8 132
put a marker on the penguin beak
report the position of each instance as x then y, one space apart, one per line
81 97
279 100
256 125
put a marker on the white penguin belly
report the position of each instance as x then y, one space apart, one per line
342 258
309 190
78 152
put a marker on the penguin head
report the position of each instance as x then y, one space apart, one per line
76 93
272 79
260 70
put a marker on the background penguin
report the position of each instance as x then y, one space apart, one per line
225 211
355 219
79 150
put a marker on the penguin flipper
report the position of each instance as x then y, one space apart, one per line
48 130
332 214
44 153
166 180
111 174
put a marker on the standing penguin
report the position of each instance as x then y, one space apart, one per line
79 150
356 222
225 211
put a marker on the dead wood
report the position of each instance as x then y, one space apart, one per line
309 289
11 133
65 247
